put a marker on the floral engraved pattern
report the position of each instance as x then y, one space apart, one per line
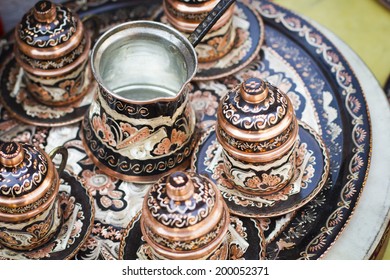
360 134
67 203
103 188
99 124
221 252
107 232
40 230
265 182
236 252
204 103
8 239
41 253
39 91
218 46
71 87
167 145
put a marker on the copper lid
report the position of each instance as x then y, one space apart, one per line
256 121
26 177
184 216
50 40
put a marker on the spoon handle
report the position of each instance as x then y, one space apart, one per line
202 29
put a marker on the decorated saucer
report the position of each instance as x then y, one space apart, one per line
242 232
311 175
78 215
249 28
23 107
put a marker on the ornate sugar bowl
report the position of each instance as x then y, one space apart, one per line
186 15
185 217
258 131
30 214
52 47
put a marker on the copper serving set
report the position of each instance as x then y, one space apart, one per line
141 127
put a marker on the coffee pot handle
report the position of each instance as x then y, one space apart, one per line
201 30
64 153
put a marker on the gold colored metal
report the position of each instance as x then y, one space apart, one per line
253 92
261 157
179 188
255 136
195 240
189 233
11 154
188 25
139 179
51 179
64 153
47 13
52 52
193 254
50 185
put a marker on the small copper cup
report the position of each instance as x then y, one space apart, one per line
30 214
258 131
52 47
184 217
185 16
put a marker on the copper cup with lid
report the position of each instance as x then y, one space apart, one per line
52 46
186 15
30 214
184 217
258 131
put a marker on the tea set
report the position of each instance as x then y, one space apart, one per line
131 94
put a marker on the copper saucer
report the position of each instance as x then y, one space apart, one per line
23 107
207 160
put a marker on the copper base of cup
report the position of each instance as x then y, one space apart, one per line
50 236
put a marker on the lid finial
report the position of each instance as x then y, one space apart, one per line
45 11
179 186
254 90
11 154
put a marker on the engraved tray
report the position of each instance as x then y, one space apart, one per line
298 59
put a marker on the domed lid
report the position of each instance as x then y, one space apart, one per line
48 30
183 212
256 118
23 168
24 175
